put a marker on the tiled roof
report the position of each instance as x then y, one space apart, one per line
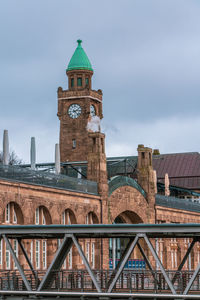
183 169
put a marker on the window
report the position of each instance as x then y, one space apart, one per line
79 81
16 251
31 252
87 81
8 213
43 218
70 259
72 82
88 251
37 254
198 256
73 144
1 258
14 216
44 256
93 255
63 217
37 216
7 258
87 219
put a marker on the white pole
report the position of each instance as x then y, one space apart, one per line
57 159
33 153
5 148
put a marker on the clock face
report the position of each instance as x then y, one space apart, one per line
74 111
92 110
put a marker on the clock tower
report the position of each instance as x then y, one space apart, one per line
77 106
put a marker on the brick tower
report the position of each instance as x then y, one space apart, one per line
76 107
146 178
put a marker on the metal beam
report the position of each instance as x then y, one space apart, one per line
191 280
184 259
130 247
147 261
101 230
94 295
27 259
19 267
159 264
86 263
56 263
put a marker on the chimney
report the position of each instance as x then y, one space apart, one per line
5 148
33 153
57 159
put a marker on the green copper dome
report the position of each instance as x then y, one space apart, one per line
79 60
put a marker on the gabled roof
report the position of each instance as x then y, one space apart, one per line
79 60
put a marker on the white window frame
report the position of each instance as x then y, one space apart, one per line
37 254
63 217
198 256
88 251
44 254
15 248
8 213
43 218
7 258
31 252
1 252
37 216
172 258
14 216
87 219
70 259
93 254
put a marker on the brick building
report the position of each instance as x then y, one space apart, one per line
94 189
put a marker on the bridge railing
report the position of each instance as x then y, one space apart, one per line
80 280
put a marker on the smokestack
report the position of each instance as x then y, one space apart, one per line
167 191
5 148
33 153
57 159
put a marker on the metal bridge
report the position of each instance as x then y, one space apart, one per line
100 284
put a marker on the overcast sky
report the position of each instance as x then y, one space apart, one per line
146 59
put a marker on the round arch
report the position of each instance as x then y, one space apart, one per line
42 215
129 217
13 213
68 217
91 218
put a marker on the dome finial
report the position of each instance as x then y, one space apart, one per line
79 42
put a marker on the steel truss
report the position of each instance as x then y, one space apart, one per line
70 235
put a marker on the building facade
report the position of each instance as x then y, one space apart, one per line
93 189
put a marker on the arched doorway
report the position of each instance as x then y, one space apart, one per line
118 245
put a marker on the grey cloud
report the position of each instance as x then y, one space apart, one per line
145 54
